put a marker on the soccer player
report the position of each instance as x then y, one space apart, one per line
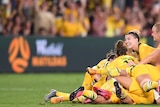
146 75
89 80
112 93
133 95
146 53
154 57
150 73
135 47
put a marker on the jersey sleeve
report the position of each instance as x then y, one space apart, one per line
145 50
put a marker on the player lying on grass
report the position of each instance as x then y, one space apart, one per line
89 80
134 93
113 93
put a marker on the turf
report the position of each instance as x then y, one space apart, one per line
28 90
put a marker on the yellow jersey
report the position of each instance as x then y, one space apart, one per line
144 50
120 63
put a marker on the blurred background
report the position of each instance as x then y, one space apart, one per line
68 35
72 18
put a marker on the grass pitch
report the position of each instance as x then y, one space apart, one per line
28 90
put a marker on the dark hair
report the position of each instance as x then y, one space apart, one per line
120 49
110 55
135 35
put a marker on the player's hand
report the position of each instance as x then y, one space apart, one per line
131 63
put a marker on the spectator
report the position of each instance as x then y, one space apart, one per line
90 16
115 23
43 18
26 8
98 25
70 26
7 29
69 7
27 28
53 31
17 25
42 31
83 20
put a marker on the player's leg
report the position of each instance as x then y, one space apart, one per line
134 92
143 78
120 91
56 94
55 100
101 100
76 93
51 94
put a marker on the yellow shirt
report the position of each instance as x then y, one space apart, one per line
144 50
58 24
82 29
113 26
70 29
101 63
120 63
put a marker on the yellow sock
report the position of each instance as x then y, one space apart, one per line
65 95
87 81
150 85
90 94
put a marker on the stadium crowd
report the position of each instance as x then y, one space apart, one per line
77 18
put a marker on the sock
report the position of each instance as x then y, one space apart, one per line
147 86
90 94
65 95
